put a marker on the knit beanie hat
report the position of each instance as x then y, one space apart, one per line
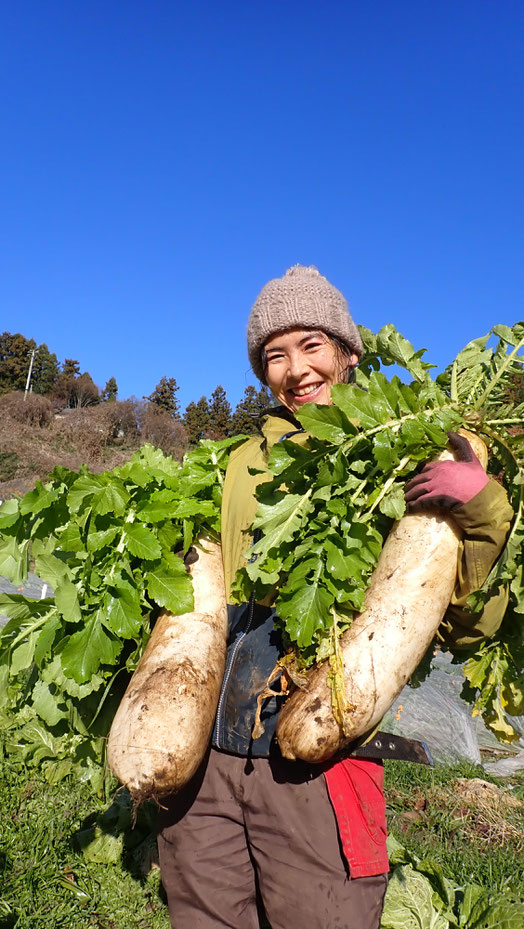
302 298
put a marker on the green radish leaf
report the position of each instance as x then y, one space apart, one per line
51 569
504 332
329 424
53 674
83 489
188 508
14 559
46 638
122 612
20 609
22 655
187 537
70 538
66 598
306 610
281 521
359 407
112 498
98 539
142 542
38 499
170 585
170 535
9 512
391 345
89 648
336 562
284 455
393 504
46 704
385 450
157 507
4 685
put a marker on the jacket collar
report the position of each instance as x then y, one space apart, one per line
277 422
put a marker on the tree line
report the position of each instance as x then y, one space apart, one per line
212 418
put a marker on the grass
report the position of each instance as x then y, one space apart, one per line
46 876
9 464
470 823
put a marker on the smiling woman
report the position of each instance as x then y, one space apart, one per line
252 825
305 840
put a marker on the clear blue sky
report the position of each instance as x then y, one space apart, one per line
161 161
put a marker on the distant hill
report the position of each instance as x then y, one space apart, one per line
35 437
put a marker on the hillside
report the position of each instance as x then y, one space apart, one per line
36 436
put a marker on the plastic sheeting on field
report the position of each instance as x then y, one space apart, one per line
32 587
435 713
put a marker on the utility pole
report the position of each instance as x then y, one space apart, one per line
29 373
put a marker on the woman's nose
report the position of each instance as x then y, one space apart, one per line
297 364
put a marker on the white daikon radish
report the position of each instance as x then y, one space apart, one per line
163 725
406 601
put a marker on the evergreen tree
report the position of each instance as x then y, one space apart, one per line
264 399
110 391
45 370
15 357
247 412
219 414
164 396
70 367
196 420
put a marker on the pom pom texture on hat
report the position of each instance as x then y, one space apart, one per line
304 298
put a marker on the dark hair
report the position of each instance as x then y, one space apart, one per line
342 352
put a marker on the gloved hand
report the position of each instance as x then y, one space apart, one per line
447 484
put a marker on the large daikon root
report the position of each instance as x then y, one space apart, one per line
406 601
162 727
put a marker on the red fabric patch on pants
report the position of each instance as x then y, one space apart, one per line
356 792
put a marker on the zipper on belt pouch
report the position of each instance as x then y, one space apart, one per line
257 535
229 667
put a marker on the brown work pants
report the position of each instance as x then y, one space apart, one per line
245 831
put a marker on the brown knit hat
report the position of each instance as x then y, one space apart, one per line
303 298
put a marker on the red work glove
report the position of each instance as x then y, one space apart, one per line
447 484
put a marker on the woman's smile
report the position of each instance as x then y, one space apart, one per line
307 394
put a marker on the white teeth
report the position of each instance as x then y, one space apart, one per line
302 391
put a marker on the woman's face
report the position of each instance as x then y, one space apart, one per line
302 366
